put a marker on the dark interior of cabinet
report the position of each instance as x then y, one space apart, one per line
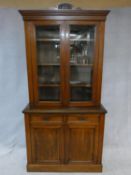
81 40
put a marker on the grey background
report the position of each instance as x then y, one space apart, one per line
116 92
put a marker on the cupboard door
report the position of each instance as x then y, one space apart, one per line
47 63
47 140
81 140
83 55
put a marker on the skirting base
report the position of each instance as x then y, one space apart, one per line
64 168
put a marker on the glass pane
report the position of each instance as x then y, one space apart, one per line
49 93
81 93
81 62
48 61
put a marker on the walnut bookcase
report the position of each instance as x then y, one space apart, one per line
64 120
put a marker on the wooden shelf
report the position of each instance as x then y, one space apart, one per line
49 85
73 85
57 39
48 64
91 40
80 85
47 39
84 65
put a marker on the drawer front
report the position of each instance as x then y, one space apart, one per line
48 118
83 118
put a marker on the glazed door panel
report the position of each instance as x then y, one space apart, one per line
83 65
65 63
48 62
47 43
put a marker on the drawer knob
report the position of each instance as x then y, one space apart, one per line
45 118
82 119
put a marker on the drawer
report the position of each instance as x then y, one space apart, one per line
46 118
83 118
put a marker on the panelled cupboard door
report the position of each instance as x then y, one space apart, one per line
47 140
82 140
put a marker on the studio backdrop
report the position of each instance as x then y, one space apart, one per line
116 86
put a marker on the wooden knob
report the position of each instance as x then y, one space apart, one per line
82 119
46 118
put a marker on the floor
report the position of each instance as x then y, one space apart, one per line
117 161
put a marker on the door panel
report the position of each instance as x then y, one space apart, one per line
47 139
81 146
64 63
81 62
82 140
47 63
83 67
46 144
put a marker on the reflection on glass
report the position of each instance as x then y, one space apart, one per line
81 62
48 75
49 93
81 93
48 60
48 52
81 74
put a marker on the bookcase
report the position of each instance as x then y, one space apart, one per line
64 119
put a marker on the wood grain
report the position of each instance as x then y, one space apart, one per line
64 135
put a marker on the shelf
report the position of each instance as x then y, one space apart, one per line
91 40
49 85
57 39
80 85
48 64
48 39
84 65
72 84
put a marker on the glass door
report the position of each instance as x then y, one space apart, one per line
82 53
64 63
48 62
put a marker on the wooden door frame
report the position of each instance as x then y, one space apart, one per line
68 127
64 66
34 64
97 65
